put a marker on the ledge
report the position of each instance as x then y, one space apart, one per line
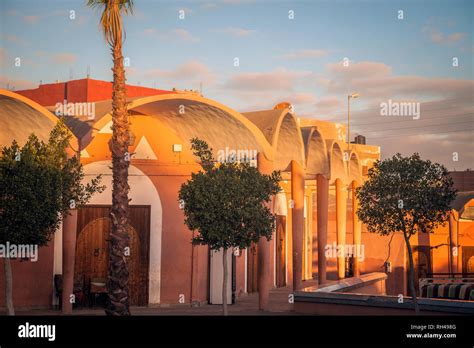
334 297
346 284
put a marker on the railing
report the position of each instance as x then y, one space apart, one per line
433 278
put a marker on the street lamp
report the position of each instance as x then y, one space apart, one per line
353 96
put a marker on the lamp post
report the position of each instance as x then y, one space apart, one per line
349 97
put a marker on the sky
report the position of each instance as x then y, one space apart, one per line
311 54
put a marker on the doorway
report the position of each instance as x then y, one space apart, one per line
467 261
280 251
92 249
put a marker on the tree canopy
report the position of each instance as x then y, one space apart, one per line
39 184
408 195
405 194
225 202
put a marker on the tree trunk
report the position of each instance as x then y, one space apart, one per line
224 282
8 286
117 282
411 277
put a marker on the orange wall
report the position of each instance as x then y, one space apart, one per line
32 281
84 90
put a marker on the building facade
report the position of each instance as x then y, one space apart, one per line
315 210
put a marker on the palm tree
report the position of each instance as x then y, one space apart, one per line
117 280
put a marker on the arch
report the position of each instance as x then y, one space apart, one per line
337 164
142 192
191 115
355 171
315 152
92 254
20 116
287 142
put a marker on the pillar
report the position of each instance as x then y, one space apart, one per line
297 195
453 241
69 255
356 230
264 273
322 206
341 217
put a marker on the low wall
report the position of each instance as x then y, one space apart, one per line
365 295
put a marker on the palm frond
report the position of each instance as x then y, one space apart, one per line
111 18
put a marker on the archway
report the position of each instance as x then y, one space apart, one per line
92 253
143 194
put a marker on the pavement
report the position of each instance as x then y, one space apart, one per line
279 304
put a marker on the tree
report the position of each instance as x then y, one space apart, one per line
225 204
406 194
38 186
117 279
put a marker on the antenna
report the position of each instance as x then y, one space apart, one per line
88 71
71 73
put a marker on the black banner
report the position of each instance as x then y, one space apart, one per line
238 330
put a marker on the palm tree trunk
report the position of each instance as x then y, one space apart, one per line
8 286
224 282
411 274
117 282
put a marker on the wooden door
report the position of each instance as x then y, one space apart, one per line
281 251
422 265
252 268
92 248
467 261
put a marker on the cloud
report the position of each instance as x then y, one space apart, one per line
14 39
264 100
440 38
329 104
304 54
174 34
191 72
443 39
31 19
16 84
216 3
375 80
236 32
208 6
278 79
63 58
184 35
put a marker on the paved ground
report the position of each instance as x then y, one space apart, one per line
246 305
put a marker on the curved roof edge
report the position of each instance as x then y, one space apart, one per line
276 134
30 103
256 132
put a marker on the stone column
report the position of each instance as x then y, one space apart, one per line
69 255
341 217
297 195
322 206
356 230
264 274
